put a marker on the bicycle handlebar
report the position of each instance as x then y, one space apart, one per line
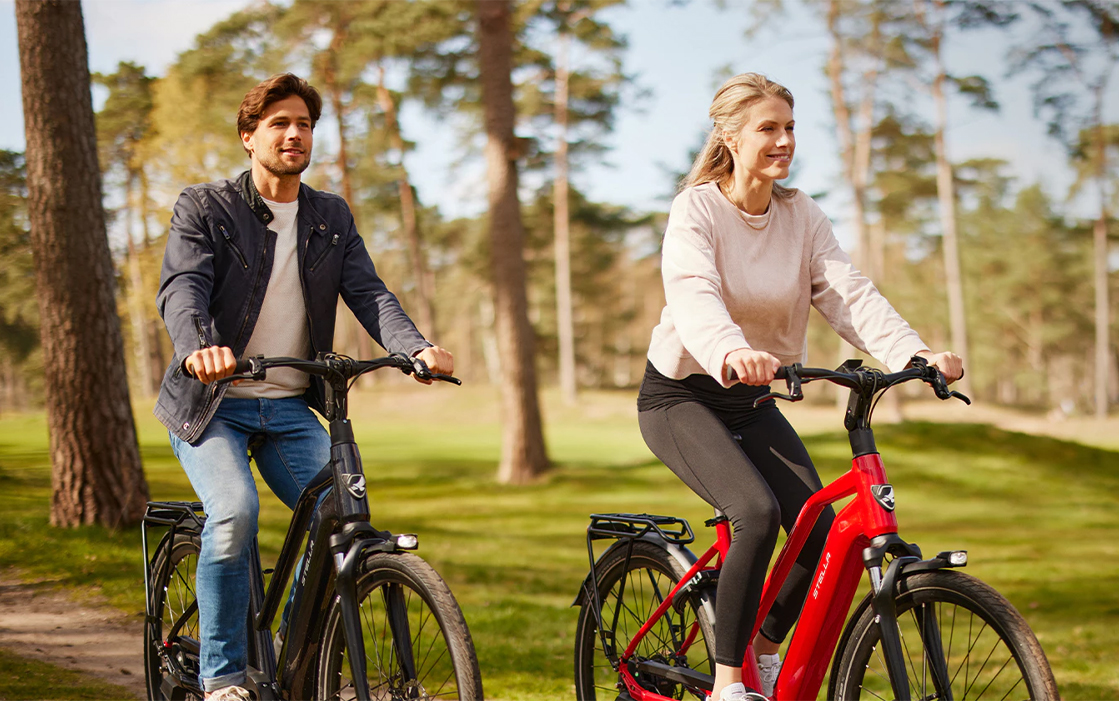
860 379
330 364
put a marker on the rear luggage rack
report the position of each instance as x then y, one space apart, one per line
632 526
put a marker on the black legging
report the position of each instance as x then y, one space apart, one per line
760 485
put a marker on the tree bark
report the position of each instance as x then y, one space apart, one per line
425 285
96 472
946 201
523 455
565 323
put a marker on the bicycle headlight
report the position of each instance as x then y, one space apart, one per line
407 541
957 558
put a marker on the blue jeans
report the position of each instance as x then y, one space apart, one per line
295 448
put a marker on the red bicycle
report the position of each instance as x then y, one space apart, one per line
925 631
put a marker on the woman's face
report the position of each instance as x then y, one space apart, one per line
763 149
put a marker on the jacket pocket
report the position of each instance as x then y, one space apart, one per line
230 242
325 251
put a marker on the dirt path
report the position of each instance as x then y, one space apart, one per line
39 622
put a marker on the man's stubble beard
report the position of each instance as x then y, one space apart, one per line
276 166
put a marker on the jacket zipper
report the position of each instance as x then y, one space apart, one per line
201 334
229 240
303 288
202 343
333 243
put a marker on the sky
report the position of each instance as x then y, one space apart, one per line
675 51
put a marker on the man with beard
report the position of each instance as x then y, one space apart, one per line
254 265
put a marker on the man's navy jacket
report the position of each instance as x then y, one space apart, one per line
215 272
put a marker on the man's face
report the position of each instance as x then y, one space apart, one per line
282 140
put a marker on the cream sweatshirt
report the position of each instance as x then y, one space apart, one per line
734 280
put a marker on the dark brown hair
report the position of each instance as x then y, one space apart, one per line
279 87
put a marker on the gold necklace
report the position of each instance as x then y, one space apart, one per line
744 215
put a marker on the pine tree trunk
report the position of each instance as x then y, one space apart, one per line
523 455
565 323
136 317
946 201
153 326
96 473
425 285
1103 330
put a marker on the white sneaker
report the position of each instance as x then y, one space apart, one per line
769 666
229 693
737 692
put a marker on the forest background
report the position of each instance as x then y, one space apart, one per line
967 151
1024 202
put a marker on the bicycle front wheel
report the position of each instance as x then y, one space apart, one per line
958 635
630 595
417 645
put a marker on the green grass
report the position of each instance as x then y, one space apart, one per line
21 678
1039 517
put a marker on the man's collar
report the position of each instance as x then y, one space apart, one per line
256 203
252 197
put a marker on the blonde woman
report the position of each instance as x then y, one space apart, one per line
743 260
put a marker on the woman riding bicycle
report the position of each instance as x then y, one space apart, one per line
743 260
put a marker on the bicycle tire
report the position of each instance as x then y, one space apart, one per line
445 656
173 598
595 677
1000 659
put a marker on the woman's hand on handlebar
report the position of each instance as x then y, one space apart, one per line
211 364
438 360
949 364
751 367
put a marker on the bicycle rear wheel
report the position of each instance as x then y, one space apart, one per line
440 648
171 636
989 651
679 639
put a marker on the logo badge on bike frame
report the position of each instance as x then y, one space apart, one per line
355 485
884 495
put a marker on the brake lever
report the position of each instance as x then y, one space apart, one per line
420 370
777 395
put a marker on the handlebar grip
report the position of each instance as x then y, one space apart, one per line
782 373
243 365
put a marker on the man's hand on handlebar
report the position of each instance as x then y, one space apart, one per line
438 360
211 364
750 367
949 364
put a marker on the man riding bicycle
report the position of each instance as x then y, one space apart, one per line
254 265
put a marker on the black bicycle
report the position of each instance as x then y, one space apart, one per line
368 619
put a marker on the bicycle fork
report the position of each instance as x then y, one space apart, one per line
883 601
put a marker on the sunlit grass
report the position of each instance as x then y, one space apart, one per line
1038 515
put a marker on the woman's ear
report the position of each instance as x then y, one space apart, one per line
728 139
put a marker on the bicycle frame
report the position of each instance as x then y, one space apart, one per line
338 535
863 533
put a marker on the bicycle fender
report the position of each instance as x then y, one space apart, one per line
940 562
681 554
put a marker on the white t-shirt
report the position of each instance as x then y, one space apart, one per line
281 329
